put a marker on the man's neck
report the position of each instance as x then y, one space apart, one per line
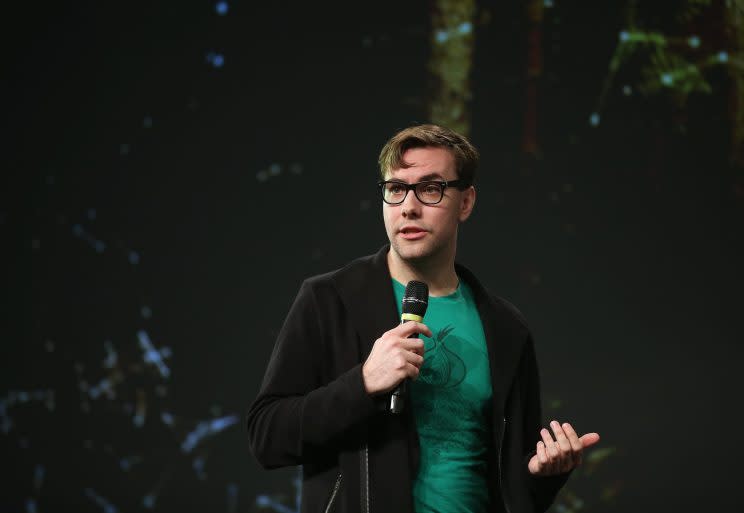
439 275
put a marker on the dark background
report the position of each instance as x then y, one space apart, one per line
188 198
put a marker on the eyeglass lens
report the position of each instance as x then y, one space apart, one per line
426 192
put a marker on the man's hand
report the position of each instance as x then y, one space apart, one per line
394 357
558 456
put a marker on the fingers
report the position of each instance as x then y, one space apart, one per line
589 439
566 456
412 371
573 438
565 452
409 328
576 445
394 357
552 450
413 344
414 358
542 457
560 437
571 447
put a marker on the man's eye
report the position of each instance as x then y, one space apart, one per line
395 189
431 189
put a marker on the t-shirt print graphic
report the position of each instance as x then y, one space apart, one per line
442 367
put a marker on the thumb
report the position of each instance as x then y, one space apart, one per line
589 439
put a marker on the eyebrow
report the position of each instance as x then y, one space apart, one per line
425 178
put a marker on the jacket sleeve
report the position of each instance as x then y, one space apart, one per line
543 489
296 416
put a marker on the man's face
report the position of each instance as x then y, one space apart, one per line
417 231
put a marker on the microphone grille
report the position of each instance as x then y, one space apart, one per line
416 298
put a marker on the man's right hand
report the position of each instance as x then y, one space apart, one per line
394 357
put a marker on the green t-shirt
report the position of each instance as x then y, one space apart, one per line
451 400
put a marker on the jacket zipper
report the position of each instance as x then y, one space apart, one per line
501 448
365 479
333 493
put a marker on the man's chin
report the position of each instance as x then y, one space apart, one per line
412 252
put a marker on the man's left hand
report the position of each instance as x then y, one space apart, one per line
562 454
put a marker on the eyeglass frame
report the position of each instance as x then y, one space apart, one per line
459 184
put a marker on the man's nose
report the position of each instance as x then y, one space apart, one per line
411 206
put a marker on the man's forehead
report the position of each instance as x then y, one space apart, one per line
428 163
418 174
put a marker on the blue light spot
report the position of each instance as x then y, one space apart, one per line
148 501
442 36
548 3
31 506
124 464
221 8
199 468
667 79
100 246
693 41
465 27
263 500
167 418
594 119
77 230
624 36
134 258
216 59
723 56
38 476
146 312
138 420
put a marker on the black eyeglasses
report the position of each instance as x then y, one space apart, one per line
428 193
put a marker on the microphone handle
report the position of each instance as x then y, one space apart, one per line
398 397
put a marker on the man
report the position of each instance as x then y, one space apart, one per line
470 436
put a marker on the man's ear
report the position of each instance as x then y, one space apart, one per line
467 202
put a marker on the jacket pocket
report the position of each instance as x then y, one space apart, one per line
334 495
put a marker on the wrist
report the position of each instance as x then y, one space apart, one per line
366 381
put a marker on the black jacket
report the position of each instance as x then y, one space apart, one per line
312 409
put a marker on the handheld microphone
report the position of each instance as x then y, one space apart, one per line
415 302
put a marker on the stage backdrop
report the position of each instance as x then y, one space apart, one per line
190 163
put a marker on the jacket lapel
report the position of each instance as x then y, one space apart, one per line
367 293
504 350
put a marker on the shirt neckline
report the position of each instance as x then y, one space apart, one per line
457 295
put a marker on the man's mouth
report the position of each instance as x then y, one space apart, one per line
412 232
